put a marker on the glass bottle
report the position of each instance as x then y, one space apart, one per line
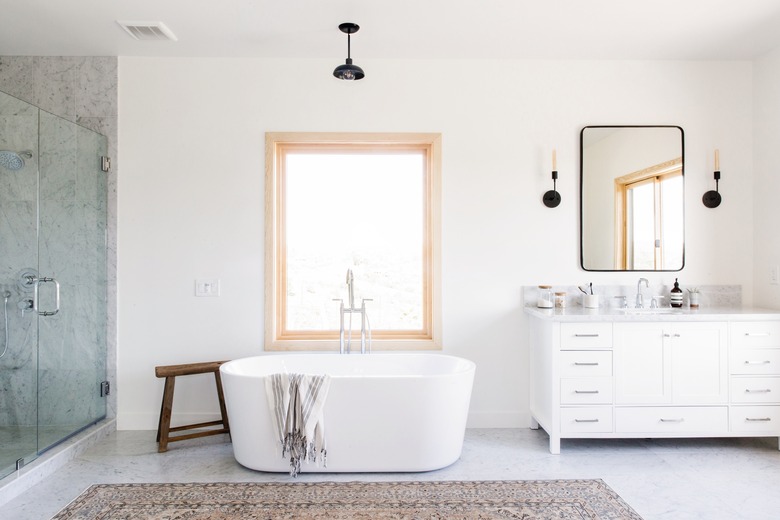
544 297
676 295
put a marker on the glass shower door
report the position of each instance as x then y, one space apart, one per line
52 280
71 292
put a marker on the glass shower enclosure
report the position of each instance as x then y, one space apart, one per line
52 281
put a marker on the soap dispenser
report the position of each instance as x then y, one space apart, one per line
676 295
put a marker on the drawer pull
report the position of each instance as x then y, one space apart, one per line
673 420
583 364
758 419
586 420
586 391
758 362
586 335
757 334
759 391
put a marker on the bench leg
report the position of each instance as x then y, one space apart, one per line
163 429
221 397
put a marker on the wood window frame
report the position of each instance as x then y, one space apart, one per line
276 338
660 171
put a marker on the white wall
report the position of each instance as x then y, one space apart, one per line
191 195
766 99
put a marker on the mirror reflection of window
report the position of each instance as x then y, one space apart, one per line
652 226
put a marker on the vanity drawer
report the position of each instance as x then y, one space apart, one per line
755 334
576 336
755 361
586 390
596 419
672 419
755 389
586 363
755 419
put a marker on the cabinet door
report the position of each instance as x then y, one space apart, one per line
642 364
699 362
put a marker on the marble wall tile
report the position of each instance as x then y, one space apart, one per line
54 84
16 76
713 296
96 87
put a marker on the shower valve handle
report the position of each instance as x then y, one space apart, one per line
38 282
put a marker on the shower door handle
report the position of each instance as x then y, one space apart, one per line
38 282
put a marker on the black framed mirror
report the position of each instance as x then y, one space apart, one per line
632 187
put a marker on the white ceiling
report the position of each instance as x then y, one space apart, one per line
442 29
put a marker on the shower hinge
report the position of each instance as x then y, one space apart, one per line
19 464
105 388
105 163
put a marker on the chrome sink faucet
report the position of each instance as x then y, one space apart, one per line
639 301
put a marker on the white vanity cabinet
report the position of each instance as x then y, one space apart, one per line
671 363
703 375
754 367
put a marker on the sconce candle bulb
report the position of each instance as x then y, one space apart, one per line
712 198
552 198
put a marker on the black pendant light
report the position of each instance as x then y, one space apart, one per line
348 71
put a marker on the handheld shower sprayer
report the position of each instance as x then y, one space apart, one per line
350 288
6 296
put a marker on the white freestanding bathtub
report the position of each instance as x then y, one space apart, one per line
384 412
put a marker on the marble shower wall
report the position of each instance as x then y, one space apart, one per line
82 90
18 204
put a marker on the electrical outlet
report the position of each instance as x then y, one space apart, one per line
774 275
207 287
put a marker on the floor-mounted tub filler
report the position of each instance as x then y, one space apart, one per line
383 412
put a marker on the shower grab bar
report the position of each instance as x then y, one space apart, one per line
36 286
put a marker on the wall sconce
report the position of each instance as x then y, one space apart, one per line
712 198
552 198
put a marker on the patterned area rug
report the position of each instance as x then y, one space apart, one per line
529 500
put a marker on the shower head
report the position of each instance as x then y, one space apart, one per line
13 161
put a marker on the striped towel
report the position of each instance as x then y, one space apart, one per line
296 402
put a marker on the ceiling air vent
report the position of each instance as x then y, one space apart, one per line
148 30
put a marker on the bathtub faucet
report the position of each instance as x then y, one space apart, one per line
365 324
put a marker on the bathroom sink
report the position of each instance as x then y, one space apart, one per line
657 310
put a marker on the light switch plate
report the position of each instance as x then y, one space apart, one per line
207 287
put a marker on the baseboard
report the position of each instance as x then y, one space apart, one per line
499 420
149 421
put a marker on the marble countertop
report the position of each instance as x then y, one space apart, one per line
581 314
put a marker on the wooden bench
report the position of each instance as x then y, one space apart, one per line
170 372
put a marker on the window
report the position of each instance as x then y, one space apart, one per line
648 203
365 202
